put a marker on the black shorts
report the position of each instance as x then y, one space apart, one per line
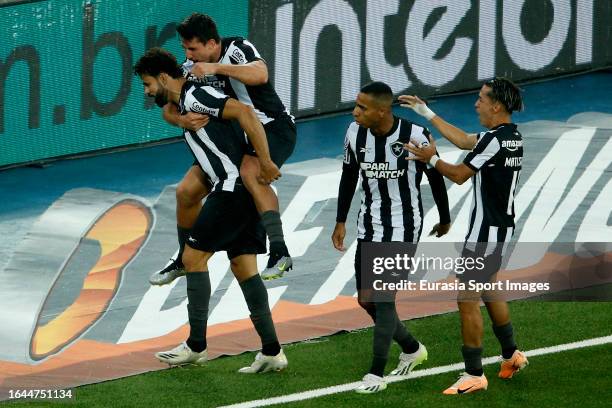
229 222
483 269
281 135
364 279
358 265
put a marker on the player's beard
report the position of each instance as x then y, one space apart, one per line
161 99
162 96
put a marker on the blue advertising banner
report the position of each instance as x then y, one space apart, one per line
66 81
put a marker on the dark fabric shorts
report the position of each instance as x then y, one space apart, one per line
229 222
358 265
364 279
281 134
488 265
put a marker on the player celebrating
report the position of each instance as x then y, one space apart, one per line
228 220
391 210
233 66
494 165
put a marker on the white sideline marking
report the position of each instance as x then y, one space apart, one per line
415 374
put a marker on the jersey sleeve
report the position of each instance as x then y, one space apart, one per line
243 52
350 160
348 180
206 100
186 67
484 151
419 138
439 193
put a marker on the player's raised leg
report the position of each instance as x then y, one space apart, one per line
189 195
266 202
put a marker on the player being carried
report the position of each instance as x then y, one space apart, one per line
228 220
234 67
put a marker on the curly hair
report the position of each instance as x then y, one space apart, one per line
157 60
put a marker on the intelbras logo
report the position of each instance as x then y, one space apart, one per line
381 170
446 44
347 157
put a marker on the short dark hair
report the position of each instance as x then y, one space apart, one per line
157 60
200 26
505 92
378 90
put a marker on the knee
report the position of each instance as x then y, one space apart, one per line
191 190
249 167
469 310
186 196
243 272
249 177
194 260
188 260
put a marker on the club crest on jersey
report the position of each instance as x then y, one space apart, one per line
397 148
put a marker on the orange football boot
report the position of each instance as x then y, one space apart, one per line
467 383
517 362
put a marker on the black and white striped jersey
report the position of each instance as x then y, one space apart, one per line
496 159
263 98
391 206
219 146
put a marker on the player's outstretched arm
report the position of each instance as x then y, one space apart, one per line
457 173
249 122
454 135
252 73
